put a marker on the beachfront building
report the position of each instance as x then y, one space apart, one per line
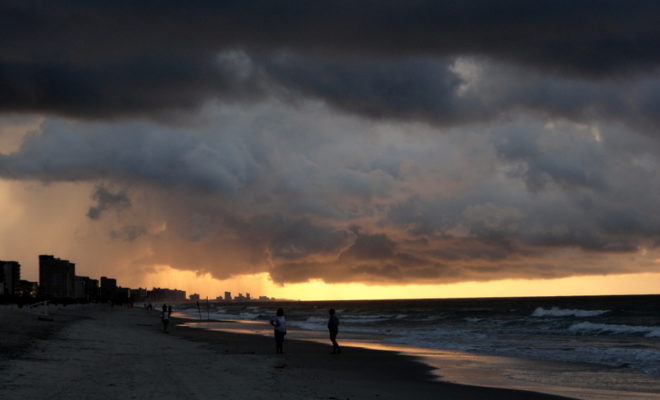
56 277
108 288
86 288
169 295
194 297
123 294
10 275
139 294
27 289
227 296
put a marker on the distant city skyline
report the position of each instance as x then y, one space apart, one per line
57 278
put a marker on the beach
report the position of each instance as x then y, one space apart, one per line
99 352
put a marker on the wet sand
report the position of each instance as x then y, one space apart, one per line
95 352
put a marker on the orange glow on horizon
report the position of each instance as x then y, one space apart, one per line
260 285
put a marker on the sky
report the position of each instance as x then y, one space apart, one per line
337 149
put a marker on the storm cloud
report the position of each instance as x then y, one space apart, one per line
106 200
381 59
364 141
302 196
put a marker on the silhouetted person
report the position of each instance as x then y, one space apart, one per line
333 328
165 318
279 322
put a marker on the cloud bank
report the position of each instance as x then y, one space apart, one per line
379 142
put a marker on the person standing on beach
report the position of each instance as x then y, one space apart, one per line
165 318
279 323
333 328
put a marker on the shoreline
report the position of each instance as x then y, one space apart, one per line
98 352
367 373
556 378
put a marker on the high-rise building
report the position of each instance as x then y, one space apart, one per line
108 288
123 294
79 287
194 297
10 275
227 296
86 288
56 277
247 296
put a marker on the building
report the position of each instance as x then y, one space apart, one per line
10 275
139 294
247 296
92 290
123 294
227 296
79 287
169 295
86 288
194 297
108 288
56 277
27 289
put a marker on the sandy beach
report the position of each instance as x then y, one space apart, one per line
98 352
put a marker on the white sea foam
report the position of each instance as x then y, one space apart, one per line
318 320
219 314
310 326
559 312
649 331
364 319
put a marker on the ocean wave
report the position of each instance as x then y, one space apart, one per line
559 312
310 326
369 319
649 331
220 314
313 326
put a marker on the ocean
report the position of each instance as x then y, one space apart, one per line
593 347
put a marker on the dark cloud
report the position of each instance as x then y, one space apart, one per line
300 238
70 152
566 161
304 193
109 59
128 233
454 91
413 89
106 200
371 247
